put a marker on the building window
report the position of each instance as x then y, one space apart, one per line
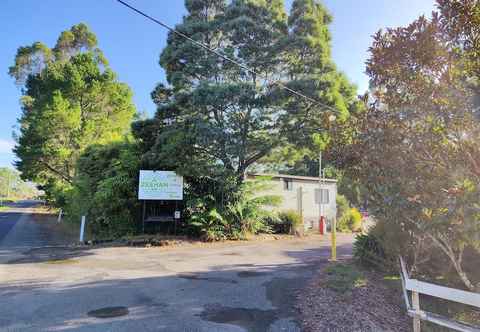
287 184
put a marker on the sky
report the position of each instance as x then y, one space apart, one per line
132 44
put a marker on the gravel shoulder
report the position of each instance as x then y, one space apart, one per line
373 303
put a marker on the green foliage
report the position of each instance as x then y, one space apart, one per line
343 278
350 221
248 213
343 206
211 224
416 149
105 190
71 99
369 251
216 115
291 222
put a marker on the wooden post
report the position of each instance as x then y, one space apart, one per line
416 307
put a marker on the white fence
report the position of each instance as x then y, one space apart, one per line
419 287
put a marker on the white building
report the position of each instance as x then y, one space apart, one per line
301 193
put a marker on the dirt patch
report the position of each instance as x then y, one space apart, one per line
368 305
51 255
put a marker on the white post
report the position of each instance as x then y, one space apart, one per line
59 219
82 228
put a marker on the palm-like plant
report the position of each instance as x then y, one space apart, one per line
250 211
208 220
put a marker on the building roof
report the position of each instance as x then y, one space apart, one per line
293 177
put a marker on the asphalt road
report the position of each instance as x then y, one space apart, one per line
25 224
236 286
9 218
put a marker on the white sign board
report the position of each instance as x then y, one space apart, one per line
160 185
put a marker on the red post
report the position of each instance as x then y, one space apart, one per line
322 226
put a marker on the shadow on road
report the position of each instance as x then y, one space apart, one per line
52 254
253 297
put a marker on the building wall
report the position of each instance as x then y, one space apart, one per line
307 207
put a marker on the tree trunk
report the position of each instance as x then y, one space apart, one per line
456 262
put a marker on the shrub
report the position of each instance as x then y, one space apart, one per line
351 221
105 190
368 251
246 213
210 224
249 213
343 206
291 221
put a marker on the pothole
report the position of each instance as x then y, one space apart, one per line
253 320
252 274
108 312
190 276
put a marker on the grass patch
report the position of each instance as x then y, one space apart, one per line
391 278
343 278
3 208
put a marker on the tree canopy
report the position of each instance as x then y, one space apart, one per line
71 99
217 116
417 147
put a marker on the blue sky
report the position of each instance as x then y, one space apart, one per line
133 44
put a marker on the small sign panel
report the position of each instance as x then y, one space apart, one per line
324 199
160 185
177 215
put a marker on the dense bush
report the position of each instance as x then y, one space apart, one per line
350 221
291 221
105 190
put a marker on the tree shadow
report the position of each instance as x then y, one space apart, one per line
47 254
233 297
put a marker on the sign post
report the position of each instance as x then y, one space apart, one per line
160 186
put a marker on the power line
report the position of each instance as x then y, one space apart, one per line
223 56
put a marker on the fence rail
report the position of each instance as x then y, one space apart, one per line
417 287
